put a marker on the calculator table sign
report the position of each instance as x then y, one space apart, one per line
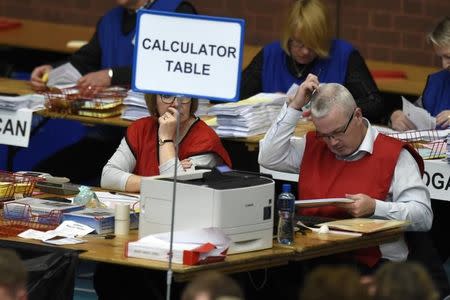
189 55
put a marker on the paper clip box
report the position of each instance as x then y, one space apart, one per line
101 219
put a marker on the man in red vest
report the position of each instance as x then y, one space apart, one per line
347 157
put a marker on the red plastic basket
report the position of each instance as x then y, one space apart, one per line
23 219
430 144
70 101
12 185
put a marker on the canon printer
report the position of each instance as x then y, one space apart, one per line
239 203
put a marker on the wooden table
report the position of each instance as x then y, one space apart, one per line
23 87
311 245
45 35
14 86
413 84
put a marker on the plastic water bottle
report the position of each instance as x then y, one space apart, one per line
286 204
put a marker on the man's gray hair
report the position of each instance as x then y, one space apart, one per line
330 95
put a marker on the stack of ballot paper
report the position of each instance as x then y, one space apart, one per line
247 117
190 247
14 103
203 107
63 75
135 106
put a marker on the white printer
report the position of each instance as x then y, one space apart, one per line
239 203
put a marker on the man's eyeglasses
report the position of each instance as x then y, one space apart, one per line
337 134
168 99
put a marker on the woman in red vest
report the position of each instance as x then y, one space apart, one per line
148 148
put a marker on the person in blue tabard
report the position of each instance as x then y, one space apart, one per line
107 58
436 95
307 46
69 148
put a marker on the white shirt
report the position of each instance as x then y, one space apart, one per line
121 165
408 197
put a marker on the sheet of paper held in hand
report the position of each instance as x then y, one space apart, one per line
321 202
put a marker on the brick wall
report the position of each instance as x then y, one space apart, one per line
389 30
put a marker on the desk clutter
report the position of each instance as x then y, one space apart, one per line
248 117
134 106
12 184
15 102
48 213
106 103
431 144
190 247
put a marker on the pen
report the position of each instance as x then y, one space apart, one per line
315 90
124 194
45 77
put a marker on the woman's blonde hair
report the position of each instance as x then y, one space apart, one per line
440 36
308 22
150 99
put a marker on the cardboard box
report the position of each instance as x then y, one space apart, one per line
101 219
181 254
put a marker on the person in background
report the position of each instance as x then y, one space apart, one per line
333 282
60 146
405 280
149 145
13 276
212 285
107 58
337 157
436 95
307 46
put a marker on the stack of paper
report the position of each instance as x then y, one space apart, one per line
189 247
203 107
247 117
31 101
135 106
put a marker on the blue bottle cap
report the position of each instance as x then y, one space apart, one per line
286 188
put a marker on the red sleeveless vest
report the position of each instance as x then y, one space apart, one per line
324 176
142 138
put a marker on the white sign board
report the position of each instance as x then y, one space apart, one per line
15 127
188 55
437 178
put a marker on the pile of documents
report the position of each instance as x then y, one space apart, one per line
135 106
190 247
248 117
14 103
